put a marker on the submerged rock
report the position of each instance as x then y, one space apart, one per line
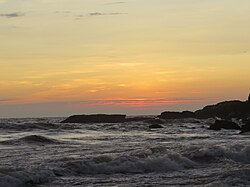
34 139
224 124
155 121
177 115
155 126
96 118
246 127
138 118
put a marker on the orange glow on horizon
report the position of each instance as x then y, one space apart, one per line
136 102
154 54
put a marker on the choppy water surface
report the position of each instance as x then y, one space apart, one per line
43 152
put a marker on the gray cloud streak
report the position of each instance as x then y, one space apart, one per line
115 3
93 14
103 14
12 15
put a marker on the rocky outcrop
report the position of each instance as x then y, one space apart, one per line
224 124
177 115
225 110
96 118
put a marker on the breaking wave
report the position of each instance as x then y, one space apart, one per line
131 163
25 178
139 162
237 154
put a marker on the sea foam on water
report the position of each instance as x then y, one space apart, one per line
47 153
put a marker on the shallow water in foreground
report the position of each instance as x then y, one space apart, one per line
42 152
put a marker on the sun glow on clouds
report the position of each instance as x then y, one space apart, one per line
131 54
136 102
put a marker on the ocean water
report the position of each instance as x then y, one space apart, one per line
45 153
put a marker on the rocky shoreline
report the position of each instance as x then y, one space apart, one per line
224 113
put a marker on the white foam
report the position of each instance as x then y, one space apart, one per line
217 152
131 164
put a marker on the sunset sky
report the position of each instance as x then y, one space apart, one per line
63 57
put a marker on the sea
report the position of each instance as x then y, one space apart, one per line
42 152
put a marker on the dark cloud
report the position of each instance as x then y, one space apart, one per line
12 15
104 14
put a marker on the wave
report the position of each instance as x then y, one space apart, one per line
238 177
37 139
152 160
139 162
215 153
28 126
32 139
54 124
130 164
25 178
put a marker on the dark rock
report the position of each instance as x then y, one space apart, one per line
31 139
225 110
37 139
96 118
155 126
224 124
177 115
138 118
194 121
245 121
246 127
155 121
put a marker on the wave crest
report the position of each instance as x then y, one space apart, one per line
132 163
237 154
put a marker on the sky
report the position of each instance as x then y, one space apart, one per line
64 57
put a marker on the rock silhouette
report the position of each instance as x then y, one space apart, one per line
224 124
96 118
155 121
177 115
155 126
138 118
225 110
246 126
